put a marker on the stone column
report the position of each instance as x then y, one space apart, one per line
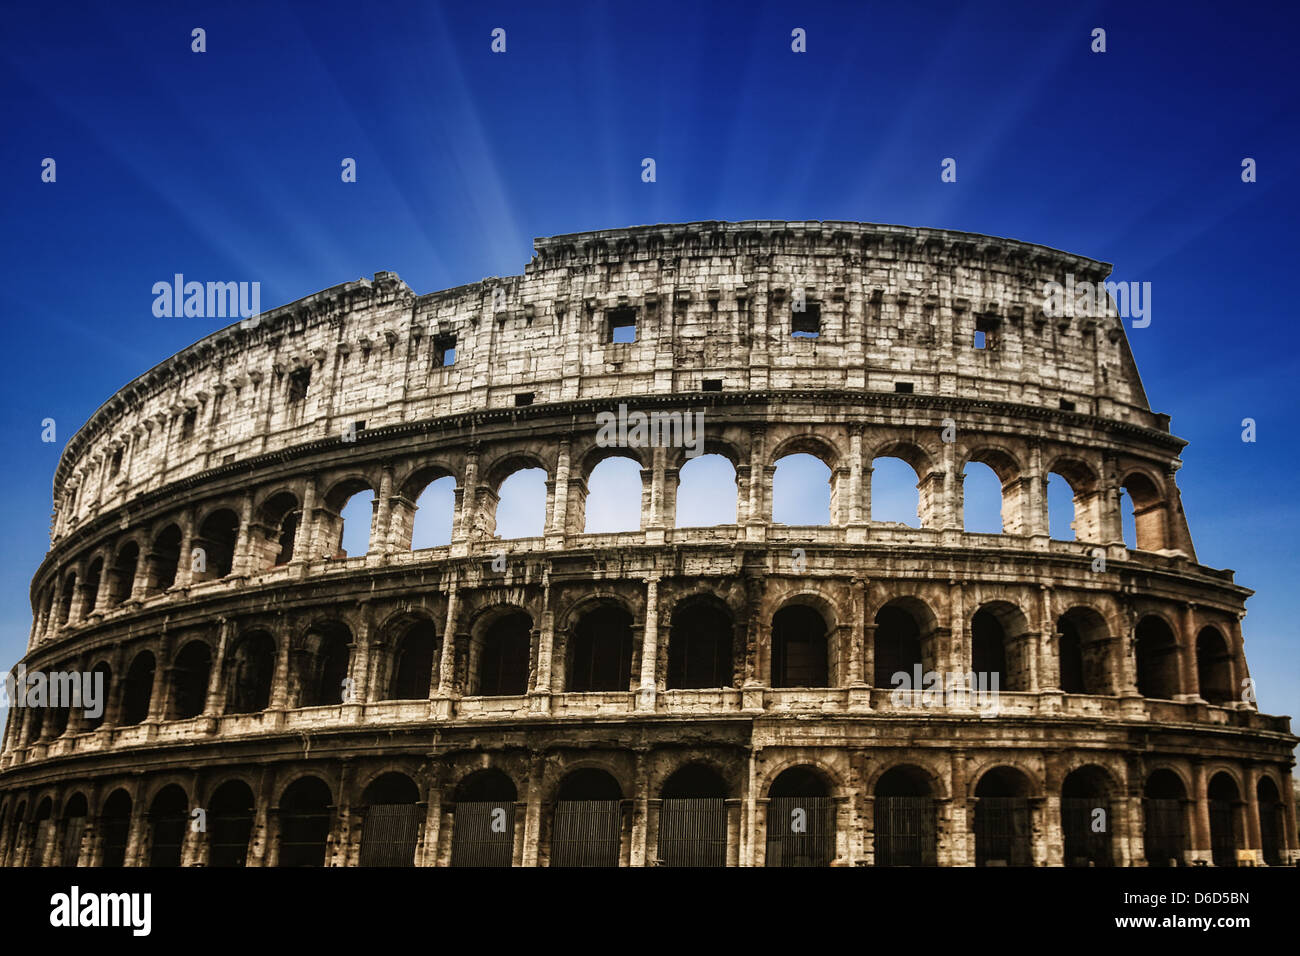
1250 782
303 539
649 647
557 520
242 561
215 704
185 562
533 812
1200 836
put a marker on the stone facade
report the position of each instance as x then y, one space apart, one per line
549 690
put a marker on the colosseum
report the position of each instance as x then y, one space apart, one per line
700 696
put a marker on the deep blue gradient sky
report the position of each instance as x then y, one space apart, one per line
225 166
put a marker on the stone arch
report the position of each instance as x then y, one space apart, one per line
905 826
274 532
1007 469
191 675
905 629
1150 502
599 651
704 643
588 819
615 481
412 521
332 525
491 492
1002 643
164 559
1272 820
169 820
1227 816
413 662
1157 654
1088 806
1086 662
250 670
1165 816
801 817
700 481
76 814
320 660
231 810
499 652
137 688
392 817
115 826
212 554
1214 662
1001 822
305 811
801 646
1083 483
122 572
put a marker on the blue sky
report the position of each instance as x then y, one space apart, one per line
226 164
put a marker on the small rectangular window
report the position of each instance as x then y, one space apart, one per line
298 382
713 385
904 388
986 329
622 325
188 422
444 350
806 323
523 398
1067 406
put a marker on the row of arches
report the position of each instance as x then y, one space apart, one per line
588 816
703 646
519 495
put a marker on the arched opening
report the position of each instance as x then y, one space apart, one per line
101 677
600 651
800 652
614 501
42 833
390 829
1086 818
137 689
1214 666
1225 819
801 491
706 492
899 642
588 823
895 492
122 576
276 530
693 818
1148 514
230 824
65 597
216 546
165 558
1272 821
1001 646
116 821
1164 819
503 657
168 823
75 812
1157 659
304 823
192 672
435 511
981 499
1060 508
483 827
1002 831
322 663
521 505
1084 653
251 669
800 819
356 519
413 662
700 646
91 588
905 832
15 834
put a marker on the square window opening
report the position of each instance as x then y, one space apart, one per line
1067 406
444 350
523 398
806 323
712 385
903 388
986 332
621 325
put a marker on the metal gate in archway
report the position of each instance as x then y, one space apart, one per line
904 833
1002 832
483 833
168 838
800 831
389 834
1223 843
587 833
1164 831
1086 832
693 831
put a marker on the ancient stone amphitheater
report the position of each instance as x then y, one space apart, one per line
670 695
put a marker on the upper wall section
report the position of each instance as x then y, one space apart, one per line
709 301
